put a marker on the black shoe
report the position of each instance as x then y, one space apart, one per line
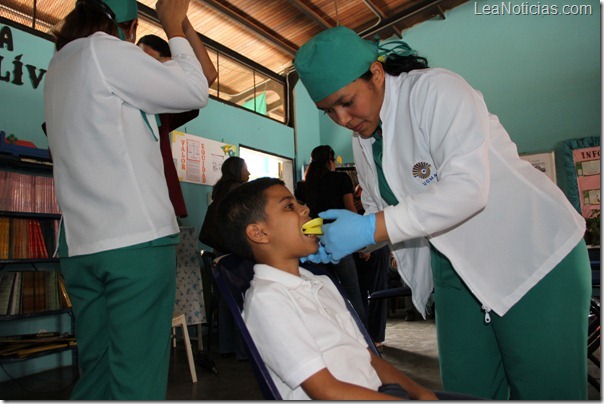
205 362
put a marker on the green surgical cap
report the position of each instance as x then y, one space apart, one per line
333 59
125 10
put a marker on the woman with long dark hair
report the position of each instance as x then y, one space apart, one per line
234 173
325 188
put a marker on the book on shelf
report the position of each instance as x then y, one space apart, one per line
4 237
52 290
15 301
35 240
50 235
21 346
64 297
28 238
27 292
40 302
7 281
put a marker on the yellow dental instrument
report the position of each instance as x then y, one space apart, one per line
313 227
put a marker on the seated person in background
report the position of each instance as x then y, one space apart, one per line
299 321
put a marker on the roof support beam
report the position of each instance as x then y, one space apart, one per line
441 12
310 13
398 18
254 26
381 17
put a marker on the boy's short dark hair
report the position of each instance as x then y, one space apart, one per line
239 208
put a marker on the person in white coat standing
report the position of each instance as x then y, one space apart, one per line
495 239
119 231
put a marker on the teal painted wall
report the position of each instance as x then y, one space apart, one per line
539 73
308 130
21 105
338 137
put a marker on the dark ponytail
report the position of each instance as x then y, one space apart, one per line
395 64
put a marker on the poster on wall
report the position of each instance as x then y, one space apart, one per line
544 162
198 160
587 167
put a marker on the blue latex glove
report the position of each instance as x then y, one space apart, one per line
349 233
320 257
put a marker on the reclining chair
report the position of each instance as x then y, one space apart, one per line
233 276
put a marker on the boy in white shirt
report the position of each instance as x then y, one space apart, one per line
299 321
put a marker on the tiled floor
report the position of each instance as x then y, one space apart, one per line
410 346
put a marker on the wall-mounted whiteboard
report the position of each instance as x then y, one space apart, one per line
264 164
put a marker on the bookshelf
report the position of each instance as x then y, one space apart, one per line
31 285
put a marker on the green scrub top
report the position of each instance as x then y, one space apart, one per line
378 147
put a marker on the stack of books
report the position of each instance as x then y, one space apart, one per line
28 292
27 193
22 346
27 238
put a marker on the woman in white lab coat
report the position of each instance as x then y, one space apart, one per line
119 232
445 186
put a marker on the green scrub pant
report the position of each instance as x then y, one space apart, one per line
536 351
123 302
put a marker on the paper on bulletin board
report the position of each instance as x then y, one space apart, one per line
544 162
587 166
198 160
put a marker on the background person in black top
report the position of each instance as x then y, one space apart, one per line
325 188
234 173
372 272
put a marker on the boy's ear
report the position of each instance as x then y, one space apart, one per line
255 232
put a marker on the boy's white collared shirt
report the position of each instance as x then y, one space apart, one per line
302 325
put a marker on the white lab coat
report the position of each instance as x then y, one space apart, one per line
108 169
460 184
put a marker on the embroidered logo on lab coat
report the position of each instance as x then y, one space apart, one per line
421 170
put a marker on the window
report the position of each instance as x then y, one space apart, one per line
237 82
263 164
